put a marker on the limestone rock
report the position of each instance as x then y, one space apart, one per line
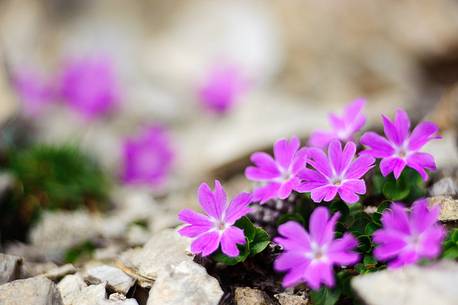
163 249
444 187
119 299
449 207
413 285
116 279
185 284
60 272
10 268
70 286
248 296
36 290
291 299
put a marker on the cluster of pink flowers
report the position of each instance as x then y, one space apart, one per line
331 166
87 85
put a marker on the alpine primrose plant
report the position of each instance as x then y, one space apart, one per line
352 227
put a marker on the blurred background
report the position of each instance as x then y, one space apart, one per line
116 110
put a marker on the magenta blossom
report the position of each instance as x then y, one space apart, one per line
278 177
336 173
310 256
221 89
405 239
148 158
35 91
343 127
400 148
89 86
217 227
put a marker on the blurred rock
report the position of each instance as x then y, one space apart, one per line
185 284
445 150
31 269
60 272
70 286
36 290
449 208
163 249
291 299
248 296
89 295
444 187
115 279
119 299
412 285
10 268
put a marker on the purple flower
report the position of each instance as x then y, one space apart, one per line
89 86
335 173
217 227
220 90
278 177
34 90
400 147
343 127
405 239
148 157
310 256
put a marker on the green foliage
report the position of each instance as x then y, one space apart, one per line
81 251
450 247
325 296
256 240
409 187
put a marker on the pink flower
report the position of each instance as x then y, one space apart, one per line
221 89
34 90
400 148
310 256
89 86
148 157
343 127
278 177
336 173
217 227
405 239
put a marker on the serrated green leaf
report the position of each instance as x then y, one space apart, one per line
247 226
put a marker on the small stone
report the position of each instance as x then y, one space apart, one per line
116 279
291 299
119 299
36 290
185 284
89 295
444 187
70 286
10 268
60 272
449 208
164 248
249 296
31 269
412 285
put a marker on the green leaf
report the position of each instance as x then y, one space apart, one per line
230 261
290 217
247 226
325 296
341 207
395 189
371 228
451 253
260 241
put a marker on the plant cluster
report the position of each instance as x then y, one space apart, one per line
332 234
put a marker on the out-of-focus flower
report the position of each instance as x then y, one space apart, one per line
89 86
335 173
279 176
148 158
310 256
217 227
35 91
343 127
221 89
400 148
405 239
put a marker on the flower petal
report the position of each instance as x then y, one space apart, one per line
238 208
294 237
422 217
318 273
320 162
206 244
402 123
208 201
318 224
420 161
299 161
391 131
284 151
267 192
335 155
321 138
394 164
379 146
350 188
424 132
359 167
326 193
341 250
295 275
231 237
265 169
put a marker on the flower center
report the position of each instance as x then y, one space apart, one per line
220 225
286 175
337 181
318 252
402 151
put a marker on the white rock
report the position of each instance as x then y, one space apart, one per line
119 299
448 207
70 286
413 285
185 284
116 279
60 272
163 249
36 290
10 268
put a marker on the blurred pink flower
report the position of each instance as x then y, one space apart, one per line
217 227
35 91
148 157
400 147
336 173
89 86
405 239
343 127
310 256
221 89
279 176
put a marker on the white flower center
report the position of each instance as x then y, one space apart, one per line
220 225
337 181
317 253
